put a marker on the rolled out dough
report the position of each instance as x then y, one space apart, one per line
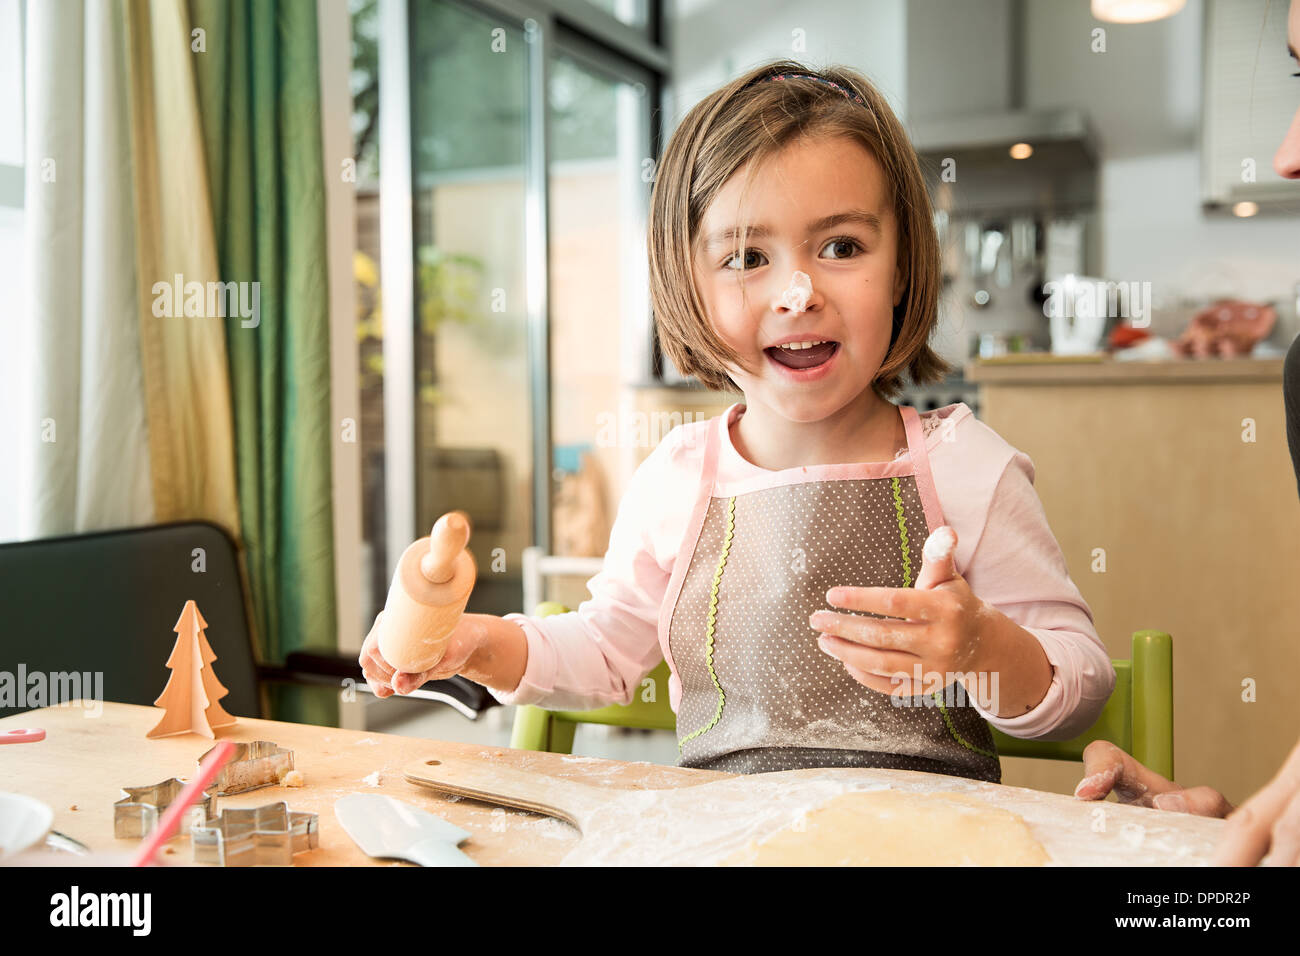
895 828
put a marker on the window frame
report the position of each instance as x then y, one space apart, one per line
585 33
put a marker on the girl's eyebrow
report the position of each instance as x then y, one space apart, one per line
861 217
1294 55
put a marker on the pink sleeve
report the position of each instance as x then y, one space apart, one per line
1018 567
597 655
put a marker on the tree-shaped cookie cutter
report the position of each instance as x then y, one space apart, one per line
257 764
136 814
262 836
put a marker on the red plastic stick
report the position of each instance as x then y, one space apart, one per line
208 771
26 735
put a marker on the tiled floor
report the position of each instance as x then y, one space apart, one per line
417 718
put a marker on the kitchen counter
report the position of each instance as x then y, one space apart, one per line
1107 371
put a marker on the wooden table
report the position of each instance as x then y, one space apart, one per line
83 762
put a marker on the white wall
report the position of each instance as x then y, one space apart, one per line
958 57
14 372
11 83
714 41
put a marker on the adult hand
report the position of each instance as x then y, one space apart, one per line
1108 769
1267 823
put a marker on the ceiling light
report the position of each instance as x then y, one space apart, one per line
1245 210
1135 11
1021 151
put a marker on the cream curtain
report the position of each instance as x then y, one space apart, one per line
85 461
129 419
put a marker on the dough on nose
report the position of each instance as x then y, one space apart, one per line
797 293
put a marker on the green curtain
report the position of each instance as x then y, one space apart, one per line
258 87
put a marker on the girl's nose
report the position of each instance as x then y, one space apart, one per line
1287 160
796 295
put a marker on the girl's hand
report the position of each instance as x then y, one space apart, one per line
1107 769
384 681
940 632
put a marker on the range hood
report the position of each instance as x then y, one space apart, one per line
1065 135
965 101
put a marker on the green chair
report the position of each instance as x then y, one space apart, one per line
1138 717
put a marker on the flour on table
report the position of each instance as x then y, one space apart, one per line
709 823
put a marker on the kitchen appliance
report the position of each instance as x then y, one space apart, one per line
1078 312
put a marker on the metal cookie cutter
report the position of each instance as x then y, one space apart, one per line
136 814
261 836
254 765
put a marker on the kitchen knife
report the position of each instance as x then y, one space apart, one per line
388 828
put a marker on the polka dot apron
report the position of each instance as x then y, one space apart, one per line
755 692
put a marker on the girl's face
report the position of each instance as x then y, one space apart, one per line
820 207
1287 160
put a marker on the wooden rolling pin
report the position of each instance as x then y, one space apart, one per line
427 597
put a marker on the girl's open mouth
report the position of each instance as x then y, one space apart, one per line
801 358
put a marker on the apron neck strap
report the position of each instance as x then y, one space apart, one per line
712 446
912 423
921 465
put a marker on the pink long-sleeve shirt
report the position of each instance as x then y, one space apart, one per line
598 654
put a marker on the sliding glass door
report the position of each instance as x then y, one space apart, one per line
530 172
474 406
601 172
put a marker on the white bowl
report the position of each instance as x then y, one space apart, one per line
24 822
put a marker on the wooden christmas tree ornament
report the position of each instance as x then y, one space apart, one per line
191 695
428 595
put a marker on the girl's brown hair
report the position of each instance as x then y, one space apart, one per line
746 122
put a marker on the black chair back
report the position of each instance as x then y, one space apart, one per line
105 603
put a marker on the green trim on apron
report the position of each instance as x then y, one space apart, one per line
902 532
712 620
938 699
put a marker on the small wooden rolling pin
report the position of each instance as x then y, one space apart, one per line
427 597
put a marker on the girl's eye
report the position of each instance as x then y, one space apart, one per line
748 252
843 241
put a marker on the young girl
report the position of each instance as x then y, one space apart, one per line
793 258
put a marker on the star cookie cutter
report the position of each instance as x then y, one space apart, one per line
262 836
136 814
254 765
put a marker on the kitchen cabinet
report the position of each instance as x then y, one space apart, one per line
1170 489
